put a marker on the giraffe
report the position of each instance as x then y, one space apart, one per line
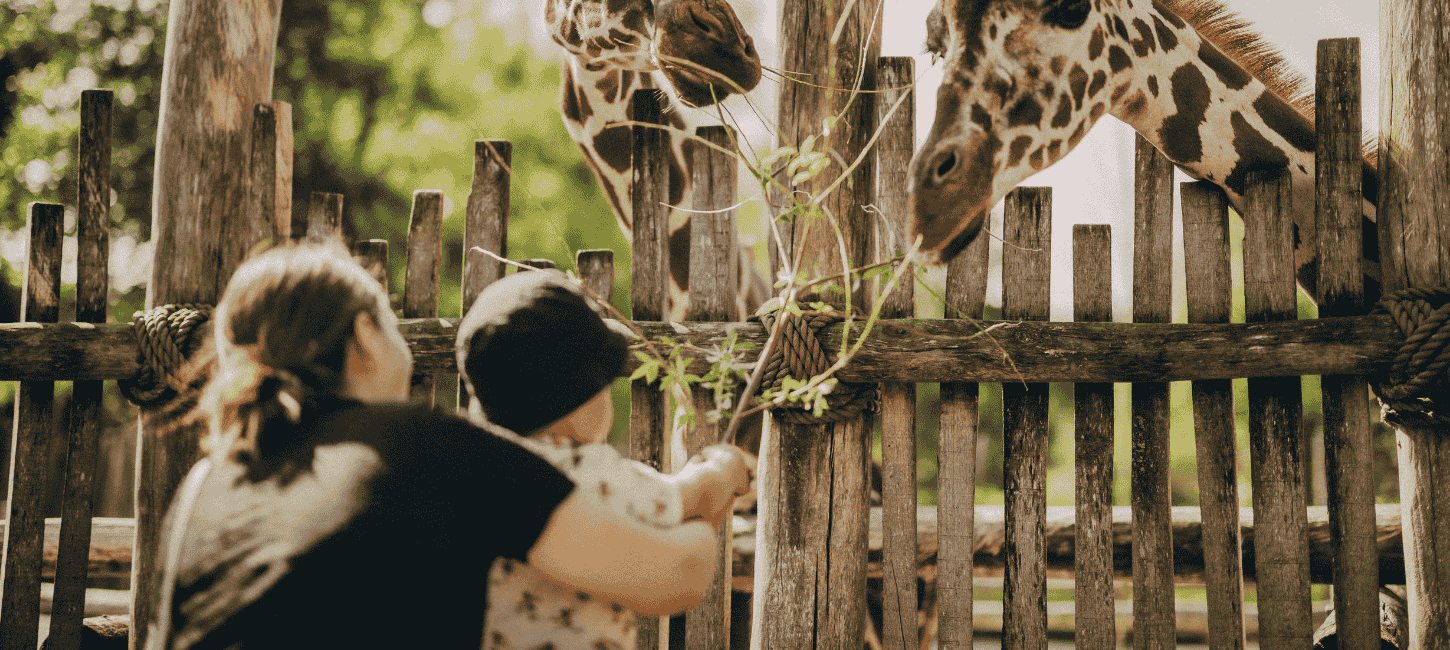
1025 81
697 53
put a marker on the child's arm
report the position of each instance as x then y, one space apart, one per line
710 482
591 548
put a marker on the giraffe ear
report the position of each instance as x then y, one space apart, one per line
1066 14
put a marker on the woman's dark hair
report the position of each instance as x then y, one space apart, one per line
281 334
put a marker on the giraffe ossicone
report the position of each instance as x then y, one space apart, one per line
1024 81
696 53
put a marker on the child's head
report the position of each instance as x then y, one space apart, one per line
536 358
299 324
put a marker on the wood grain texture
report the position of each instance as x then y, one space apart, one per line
202 161
1348 446
372 255
1152 303
1094 593
899 350
898 399
420 276
649 282
83 423
268 212
1276 436
712 296
814 535
966 295
1414 219
324 217
485 222
1208 284
1026 293
596 271
30 443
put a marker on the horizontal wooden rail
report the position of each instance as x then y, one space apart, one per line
898 350
110 555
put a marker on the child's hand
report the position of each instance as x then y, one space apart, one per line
710 482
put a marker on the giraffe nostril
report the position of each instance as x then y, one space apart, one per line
702 25
947 164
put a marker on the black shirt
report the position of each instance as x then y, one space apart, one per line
376 529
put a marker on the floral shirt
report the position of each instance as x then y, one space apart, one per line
525 610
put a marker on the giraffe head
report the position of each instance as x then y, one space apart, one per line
1022 84
704 50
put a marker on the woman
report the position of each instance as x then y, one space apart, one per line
333 514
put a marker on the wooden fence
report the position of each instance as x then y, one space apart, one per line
912 552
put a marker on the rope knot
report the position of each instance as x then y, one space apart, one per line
164 343
800 355
1416 381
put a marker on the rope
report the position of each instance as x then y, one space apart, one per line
163 342
799 354
1416 380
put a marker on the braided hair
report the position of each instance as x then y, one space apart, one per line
281 335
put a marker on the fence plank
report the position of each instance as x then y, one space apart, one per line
596 270
966 297
93 238
30 442
712 297
1276 437
1348 447
1026 269
649 264
268 213
1153 621
372 255
420 279
1094 593
486 217
899 629
1209 282
324 216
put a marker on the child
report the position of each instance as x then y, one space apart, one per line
537 360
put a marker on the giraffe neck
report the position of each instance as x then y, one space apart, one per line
1210 116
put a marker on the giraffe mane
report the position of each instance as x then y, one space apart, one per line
1237 38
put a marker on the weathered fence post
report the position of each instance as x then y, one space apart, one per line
420 278
1276 439
1208 285
93 248
1414 218
1026 268
220 55
898 399
1092 295
1153 610
810 563
712 296
30 442
649 265
1348 447
324 217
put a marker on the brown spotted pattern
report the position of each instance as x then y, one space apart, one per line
694 52
1186 74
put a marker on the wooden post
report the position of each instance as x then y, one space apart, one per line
1414 218
712 297
811 543
1153 610
1026 266
1206 256
93 239
268 214
372 255
1094 593
1348 447
215 70
898 399
649 265
420 280
966 297
1276 438
596 271
485 225
30 443
324 217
